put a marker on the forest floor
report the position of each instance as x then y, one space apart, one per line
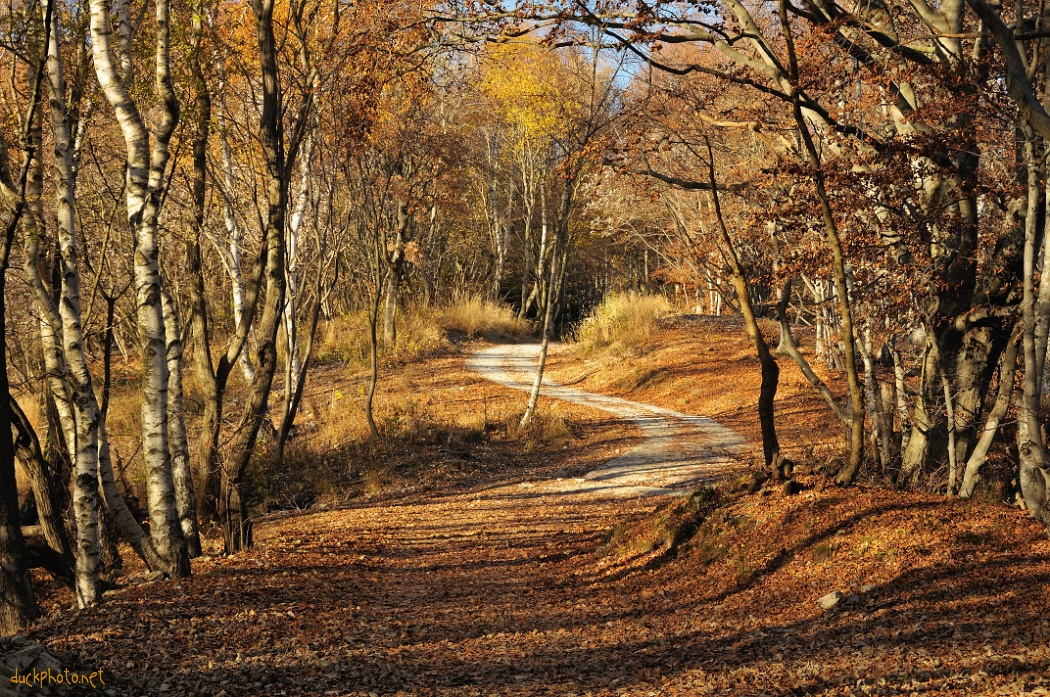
481 579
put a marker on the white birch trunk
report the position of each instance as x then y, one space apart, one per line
233 231
84 446
115 506
182 476
291 303
145 175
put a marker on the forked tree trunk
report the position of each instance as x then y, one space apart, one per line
790 347
838 266
559 253
972 471
293 356
294 398
233 510
146 169
233 230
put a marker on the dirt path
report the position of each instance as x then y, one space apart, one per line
679 452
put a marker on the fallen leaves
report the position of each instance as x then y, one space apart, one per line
486 588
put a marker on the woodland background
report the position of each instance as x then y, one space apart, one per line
207 203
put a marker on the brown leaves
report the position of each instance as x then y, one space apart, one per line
495 589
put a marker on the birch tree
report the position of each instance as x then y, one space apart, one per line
145 178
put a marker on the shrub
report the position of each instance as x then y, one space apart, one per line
623 319
473 316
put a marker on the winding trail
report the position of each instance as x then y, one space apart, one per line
679 452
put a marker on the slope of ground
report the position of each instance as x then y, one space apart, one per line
484 585
705 366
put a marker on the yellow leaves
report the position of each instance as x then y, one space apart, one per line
519 80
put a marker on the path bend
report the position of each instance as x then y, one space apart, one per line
678 453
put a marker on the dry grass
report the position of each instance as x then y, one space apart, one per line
622 322
421 331
440 424
474 316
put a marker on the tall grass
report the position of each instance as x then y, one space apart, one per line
624 320
475 316
421 330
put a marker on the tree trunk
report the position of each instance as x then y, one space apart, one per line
788 346
552 294
17 604
233 230
395 266
873 404
83 400
182 476
856 390
47 485
233 511
293 357
972 471
296 396
770 370
1034 473
145 177
924 420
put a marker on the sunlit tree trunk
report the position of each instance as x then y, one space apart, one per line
82 396
551 296
182 476
395 268
291 303
145 179
770 370
856 391
233 230
233 506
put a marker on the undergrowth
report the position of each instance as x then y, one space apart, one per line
623 321
421 331
668 529
338 460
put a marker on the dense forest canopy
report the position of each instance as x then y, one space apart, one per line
193 190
